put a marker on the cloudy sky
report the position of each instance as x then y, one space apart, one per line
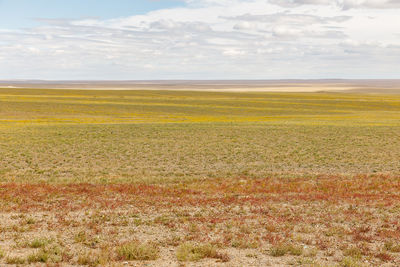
199 39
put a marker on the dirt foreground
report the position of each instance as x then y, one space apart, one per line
322 221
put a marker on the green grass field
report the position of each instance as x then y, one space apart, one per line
27 107
231 179
128 136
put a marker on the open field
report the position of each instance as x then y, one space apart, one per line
188 178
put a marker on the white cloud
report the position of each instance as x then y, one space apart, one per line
374 4
344 4
214 39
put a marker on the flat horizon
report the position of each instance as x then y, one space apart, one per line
384 86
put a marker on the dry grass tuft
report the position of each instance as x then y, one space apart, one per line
280 250
190 251
138 251
94 258
15 260
39 242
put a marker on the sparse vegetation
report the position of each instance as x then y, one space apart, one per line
15 260
280 250
138 251
392 247
40 256
190 251
52 253
199 176
91 258
39 243
350 262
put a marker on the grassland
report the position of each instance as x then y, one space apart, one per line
171 178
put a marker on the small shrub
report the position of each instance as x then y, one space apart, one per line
243 244
278 250
15 260
137 251
304 262
192 252
41 256
138 222
89 259
350 262
353 252
295 250
53 254
94 258
39 243
30 221
1 253
283 249
80 237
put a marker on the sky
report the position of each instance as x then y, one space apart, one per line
199 39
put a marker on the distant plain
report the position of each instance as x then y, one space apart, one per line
330 85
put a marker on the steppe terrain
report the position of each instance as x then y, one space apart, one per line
223 177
